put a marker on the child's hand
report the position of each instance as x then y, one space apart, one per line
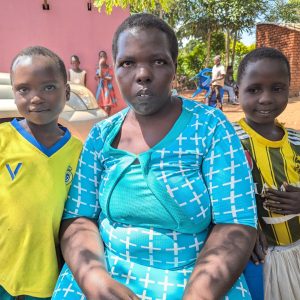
102 61
260 248
283 202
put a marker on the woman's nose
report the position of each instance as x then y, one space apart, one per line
144 75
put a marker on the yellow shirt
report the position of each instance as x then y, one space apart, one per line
272 163
34 183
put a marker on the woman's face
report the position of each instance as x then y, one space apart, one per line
144 69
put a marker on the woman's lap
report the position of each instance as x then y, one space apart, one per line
146 282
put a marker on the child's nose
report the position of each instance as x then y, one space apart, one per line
266 98
36 99
144 75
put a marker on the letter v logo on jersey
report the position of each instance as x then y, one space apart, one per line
13 173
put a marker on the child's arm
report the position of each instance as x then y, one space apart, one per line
260 249
83 251
284 202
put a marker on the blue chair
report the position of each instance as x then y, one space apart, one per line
203 83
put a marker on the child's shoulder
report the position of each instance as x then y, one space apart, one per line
5 129
293 136
240 131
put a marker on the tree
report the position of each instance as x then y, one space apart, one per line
284 11
135 5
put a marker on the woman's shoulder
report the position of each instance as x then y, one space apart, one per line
112 121
201 110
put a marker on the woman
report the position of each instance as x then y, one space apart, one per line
157 178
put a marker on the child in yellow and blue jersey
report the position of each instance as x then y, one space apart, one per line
274 155
37 163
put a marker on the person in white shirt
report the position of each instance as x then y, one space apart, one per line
76 75
217 83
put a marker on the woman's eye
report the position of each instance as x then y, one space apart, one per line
49 88
126 64
160 62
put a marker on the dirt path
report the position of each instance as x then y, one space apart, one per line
290 117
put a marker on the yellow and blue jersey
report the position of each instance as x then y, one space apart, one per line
34 183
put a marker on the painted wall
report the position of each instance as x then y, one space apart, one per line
67 28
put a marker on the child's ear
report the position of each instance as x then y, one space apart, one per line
68 91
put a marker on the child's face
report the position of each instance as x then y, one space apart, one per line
39 88
263 91
102 56
75 63
144 69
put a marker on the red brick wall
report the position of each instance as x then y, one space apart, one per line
286 40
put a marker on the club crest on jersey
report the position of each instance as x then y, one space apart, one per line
13 172
69 175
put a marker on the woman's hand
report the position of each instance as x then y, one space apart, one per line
220 262
283 202
98 285
260 249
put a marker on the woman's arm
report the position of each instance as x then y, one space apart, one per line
220 262
83 251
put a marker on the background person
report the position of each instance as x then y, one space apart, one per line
229 86
274 153
166 183
76 75
37 163
217 82
105 93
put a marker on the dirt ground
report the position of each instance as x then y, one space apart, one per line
290 117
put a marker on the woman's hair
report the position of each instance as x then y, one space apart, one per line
75 57
262 53
146 21
39 51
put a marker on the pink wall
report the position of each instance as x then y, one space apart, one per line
67 28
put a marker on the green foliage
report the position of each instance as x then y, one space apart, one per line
284 11
192 57
135 5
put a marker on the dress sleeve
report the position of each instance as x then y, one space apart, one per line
83 196
228 177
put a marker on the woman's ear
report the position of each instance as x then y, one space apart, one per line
175 64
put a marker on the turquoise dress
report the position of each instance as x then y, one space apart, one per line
154 217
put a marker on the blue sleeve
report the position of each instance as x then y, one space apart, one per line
228 177
83 196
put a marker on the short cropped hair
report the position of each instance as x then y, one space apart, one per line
36 51
75 57
146 21
262 53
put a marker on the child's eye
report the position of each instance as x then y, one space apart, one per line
22 90
253 90
278 89
50 88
